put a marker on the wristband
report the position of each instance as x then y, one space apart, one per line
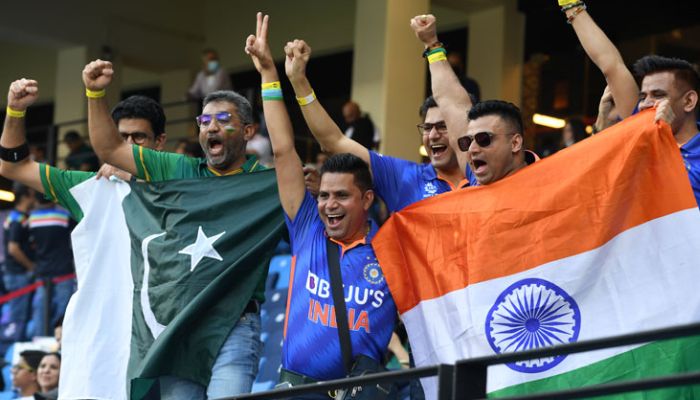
304 101
570 18
432 47
15 154
563 3
438 55
571 5
272 94
271 85
95 94
14 113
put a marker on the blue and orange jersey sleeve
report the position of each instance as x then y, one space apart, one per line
302 222
389 175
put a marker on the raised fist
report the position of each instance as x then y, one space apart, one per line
297 55
256 45
97 75
23 92
425 28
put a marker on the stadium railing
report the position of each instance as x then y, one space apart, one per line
466 379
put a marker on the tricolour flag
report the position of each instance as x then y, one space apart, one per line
164 273
600 239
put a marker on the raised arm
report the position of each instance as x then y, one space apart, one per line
449 94
16 164
324 129
288 167
104 136
605 56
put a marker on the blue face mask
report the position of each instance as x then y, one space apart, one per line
212 66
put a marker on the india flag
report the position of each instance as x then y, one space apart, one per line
598 240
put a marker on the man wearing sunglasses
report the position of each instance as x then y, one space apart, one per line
398 182
225 126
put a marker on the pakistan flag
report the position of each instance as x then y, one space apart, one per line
180 259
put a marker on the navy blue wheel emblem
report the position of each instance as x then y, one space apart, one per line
530 314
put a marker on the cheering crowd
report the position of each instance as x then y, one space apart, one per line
329 222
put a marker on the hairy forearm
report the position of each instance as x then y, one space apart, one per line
104 136
319 122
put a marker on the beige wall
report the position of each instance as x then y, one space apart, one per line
22 61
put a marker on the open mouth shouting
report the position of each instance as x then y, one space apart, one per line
334 220
479 167
215 146
438 149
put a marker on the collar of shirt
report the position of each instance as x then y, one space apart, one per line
693 145
373 228
251 164
431 174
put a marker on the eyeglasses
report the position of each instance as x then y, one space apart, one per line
18 367
424 129
222 117
136 137
483 139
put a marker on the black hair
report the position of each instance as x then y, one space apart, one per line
509 112
243 107
578 127
681 69
427 105
350 164
55 354
141 107
33 358
72 136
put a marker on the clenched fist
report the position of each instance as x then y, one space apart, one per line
425 28
297 54
23 92
97 75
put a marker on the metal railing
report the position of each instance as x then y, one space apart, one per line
466 379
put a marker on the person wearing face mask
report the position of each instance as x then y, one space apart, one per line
211 78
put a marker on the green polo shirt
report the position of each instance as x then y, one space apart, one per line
57 184
155 166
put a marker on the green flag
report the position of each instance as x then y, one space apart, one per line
200 250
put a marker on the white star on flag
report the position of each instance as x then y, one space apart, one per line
202 247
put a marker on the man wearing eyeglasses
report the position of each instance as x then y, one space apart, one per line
398 182
225 126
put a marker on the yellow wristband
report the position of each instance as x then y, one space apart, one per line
95 94
271 85
563 3
440 56
14 113
303 101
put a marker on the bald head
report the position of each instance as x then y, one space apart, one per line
351 112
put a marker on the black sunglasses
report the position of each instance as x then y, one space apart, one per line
483 139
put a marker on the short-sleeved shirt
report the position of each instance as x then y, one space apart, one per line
154 166
401 183
57 184
50 229
311 346
16 228
690 152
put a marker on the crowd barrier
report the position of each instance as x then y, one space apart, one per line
466 379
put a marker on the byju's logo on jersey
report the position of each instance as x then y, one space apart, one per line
373 273
530 314
429 190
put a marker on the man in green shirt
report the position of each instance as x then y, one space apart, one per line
225 126
140 121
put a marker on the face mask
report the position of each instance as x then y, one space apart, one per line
212 66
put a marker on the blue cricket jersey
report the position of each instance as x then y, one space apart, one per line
401 183
691 158
311 346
